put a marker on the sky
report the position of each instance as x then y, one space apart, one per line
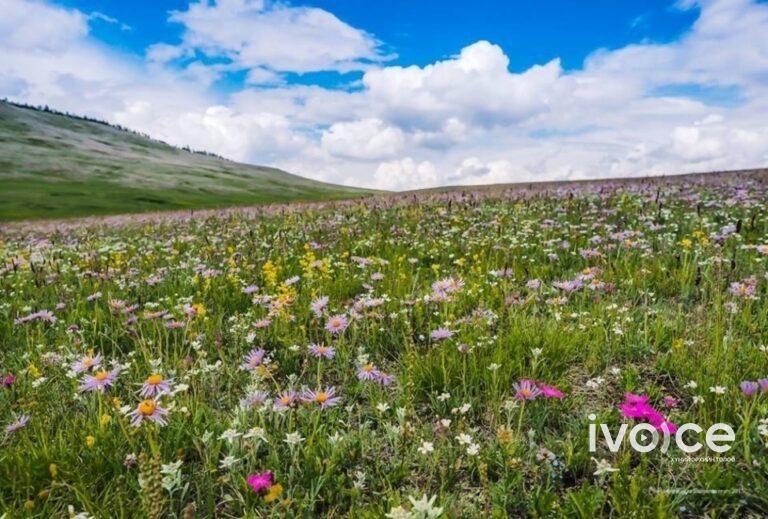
401 94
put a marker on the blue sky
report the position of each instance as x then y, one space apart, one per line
419 33
407 94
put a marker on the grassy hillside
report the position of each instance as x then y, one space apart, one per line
54 166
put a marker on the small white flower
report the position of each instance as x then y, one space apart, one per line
464 439
227 462
293 438
444 396
603 467
718 390
473 449
691 385
230 435
382 407
426 447
425 506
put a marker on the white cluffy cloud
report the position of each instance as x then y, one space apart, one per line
694 104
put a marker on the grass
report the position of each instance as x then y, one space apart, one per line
671 305
56 166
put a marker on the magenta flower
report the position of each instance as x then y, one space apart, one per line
253 359
322 397
99 381
337 324
548 391
638 408
669 401
148 410
9 379
260 482
526 390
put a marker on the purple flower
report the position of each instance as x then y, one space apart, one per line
749 388
17 424
763 385
155 385
148 410
250 289
86 363
441 334
526 390
9 379
254 399
319 305
99 381
322 397
318 350
253 359
286 400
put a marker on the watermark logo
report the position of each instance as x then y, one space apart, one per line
644 437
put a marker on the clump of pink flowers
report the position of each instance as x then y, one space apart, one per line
638 408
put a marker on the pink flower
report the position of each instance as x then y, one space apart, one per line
260 482
548 391
337 324
638 408
99 381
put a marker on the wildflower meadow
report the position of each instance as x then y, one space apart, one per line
437 354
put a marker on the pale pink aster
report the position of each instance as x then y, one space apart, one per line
253 359
148 410
337 324
322 397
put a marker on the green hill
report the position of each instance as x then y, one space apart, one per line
54 165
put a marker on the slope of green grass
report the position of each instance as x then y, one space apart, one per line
55 166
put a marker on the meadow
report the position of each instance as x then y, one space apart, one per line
430 355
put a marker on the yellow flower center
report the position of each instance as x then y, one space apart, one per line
147 407
154 379
526 392
87 362
321 397
368 367
285 400
335 322
101 375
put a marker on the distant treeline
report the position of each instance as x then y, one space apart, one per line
49 110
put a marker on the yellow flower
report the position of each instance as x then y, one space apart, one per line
686 243
274 492
53 469
105 419
33 371
90 441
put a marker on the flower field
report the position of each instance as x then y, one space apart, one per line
432 355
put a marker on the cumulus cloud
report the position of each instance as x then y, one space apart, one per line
467 119
274 35
366 139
